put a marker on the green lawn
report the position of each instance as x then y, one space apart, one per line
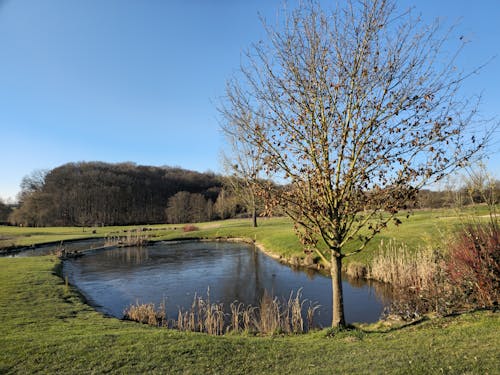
46 328
423 228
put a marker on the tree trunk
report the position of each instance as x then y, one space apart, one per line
254 218
338 319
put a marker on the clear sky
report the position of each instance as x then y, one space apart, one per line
129 80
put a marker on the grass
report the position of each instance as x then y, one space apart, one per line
275 234
46 328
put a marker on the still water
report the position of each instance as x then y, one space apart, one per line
53 248
175 272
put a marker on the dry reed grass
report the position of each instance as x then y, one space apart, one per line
147 314
272 316
397 265
134 237
418 280
357 270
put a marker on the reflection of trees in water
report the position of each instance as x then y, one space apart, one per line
128 255
310 273
259 289
382 291
69 246
251 278
246 284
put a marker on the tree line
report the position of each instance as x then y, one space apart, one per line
97 193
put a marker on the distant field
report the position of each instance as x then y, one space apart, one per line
423 228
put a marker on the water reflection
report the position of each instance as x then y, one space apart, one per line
128 255
113 279
381 290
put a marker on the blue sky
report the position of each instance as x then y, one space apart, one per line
139 80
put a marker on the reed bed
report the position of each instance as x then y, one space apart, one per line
417 280
134 237
399 266
147 313
271 316
463 278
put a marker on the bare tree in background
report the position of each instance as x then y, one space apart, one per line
481 186
354 110
243 166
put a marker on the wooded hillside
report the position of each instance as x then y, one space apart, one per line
96 193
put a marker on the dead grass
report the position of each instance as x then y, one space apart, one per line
272 316
134 237
357 270
147 314
397 265
417 279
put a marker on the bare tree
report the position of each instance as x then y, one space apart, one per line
243 167
226 205
5 211
185 207
32 183
354 110
480 185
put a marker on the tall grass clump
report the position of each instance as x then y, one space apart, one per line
147 314
357 270
417 280
203 316
134 237
399 266
271 316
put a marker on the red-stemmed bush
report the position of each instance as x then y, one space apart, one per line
473 263
190 228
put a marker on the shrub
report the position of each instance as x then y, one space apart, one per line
474 263
190 228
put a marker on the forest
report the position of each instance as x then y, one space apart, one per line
98 194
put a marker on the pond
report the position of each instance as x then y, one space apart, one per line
114 279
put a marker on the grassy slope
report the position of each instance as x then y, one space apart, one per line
46 328
276 234
423 228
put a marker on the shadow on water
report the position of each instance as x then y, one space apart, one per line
114 279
